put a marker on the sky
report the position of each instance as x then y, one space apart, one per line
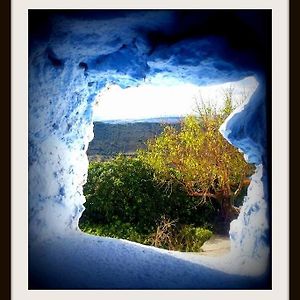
153 101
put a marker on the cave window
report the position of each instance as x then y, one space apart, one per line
124 119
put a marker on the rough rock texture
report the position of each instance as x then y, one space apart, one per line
73 55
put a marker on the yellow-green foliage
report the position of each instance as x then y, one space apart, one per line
198 157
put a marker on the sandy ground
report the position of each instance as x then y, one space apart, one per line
217 245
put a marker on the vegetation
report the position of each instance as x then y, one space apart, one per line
123 200
167 235
170 236
198 158
182 186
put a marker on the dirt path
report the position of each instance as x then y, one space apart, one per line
217 245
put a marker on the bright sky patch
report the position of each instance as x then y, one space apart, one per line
153 101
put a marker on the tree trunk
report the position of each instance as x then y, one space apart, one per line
228 211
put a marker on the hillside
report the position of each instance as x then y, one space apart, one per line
111 139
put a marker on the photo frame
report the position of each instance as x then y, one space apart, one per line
19 141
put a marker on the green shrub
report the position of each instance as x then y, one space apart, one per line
123 200
124 190
173 236
178 238
116 230
192 238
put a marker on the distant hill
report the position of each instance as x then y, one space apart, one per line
111 139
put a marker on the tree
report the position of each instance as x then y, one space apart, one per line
199 158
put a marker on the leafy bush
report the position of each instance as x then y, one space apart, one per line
173 236
124 190
180 237
123 200
192 238
116 230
